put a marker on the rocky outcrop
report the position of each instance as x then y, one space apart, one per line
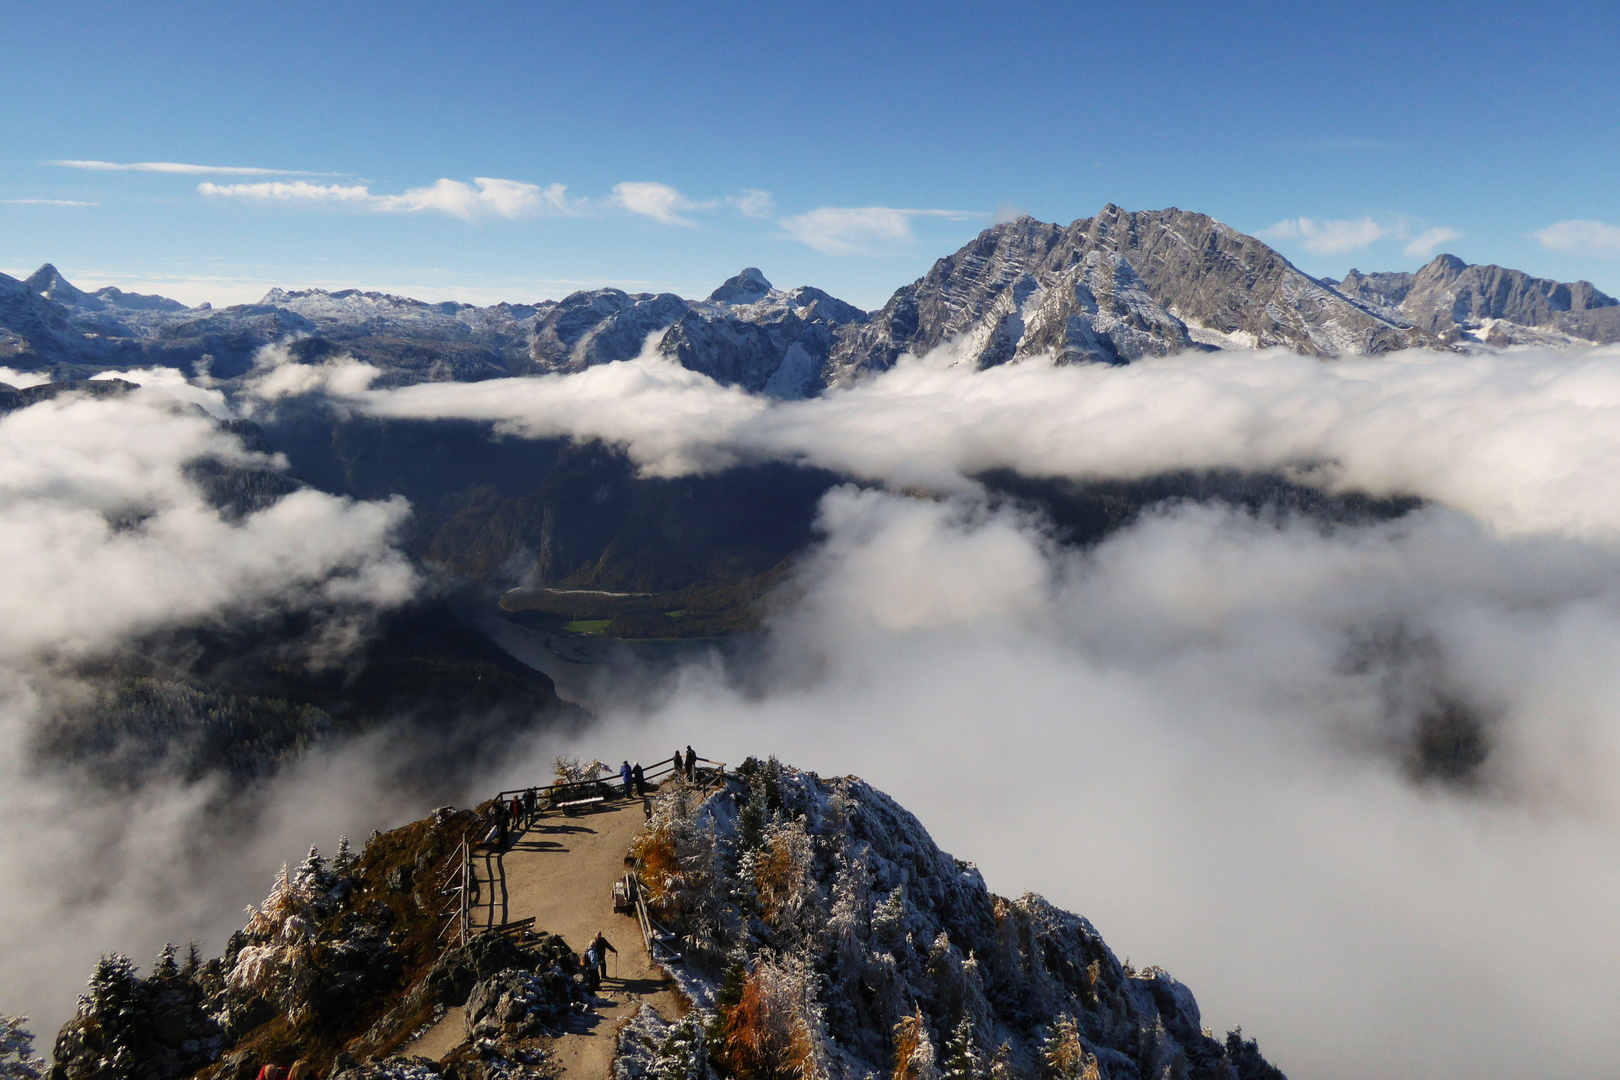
1115 287
1456 301
752 335
589 328
817 921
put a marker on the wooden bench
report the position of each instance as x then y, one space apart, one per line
574 804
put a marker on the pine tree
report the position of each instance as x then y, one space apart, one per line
193 961
17 1060
311 873
166 966
343 863
116 1004
963 1061
1244 1057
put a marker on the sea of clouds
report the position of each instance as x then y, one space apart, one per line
1197 732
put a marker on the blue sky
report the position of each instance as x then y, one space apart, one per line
845 146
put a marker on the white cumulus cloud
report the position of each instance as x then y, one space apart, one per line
1590 239
1326 237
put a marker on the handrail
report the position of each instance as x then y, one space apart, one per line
659 769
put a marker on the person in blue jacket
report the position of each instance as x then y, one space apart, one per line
629 779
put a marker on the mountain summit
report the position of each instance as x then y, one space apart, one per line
747 287
1113 288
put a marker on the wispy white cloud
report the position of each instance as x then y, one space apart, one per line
183 168
1428 242
288 191
484 197
487 196
657 201
1591 239
1321 237
48 202
860 230
751 202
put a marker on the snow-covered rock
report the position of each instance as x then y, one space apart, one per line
818 916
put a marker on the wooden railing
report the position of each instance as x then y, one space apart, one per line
559 795
457 875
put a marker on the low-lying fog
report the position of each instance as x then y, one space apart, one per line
1356 785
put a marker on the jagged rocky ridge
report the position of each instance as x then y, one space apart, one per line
1457 302
1114 288
822 933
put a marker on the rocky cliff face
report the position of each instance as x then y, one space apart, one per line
1456 301
1111 288
1116 287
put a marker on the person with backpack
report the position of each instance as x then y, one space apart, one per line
599 948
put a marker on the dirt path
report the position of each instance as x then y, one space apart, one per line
562 873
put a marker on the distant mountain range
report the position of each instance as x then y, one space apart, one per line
1113 288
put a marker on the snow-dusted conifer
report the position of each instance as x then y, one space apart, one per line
683 1055
116 1006
311 874
167 967
963 1061
343 863
17 1060
193 962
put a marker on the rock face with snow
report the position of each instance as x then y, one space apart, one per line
1115 287
816 921
749 334
1456 301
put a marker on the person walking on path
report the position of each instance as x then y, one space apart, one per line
628 778
640 779
691 762
600 946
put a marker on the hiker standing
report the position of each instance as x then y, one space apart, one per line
691 762
600 948
593 965
640 779
499 810
528 809
628 778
